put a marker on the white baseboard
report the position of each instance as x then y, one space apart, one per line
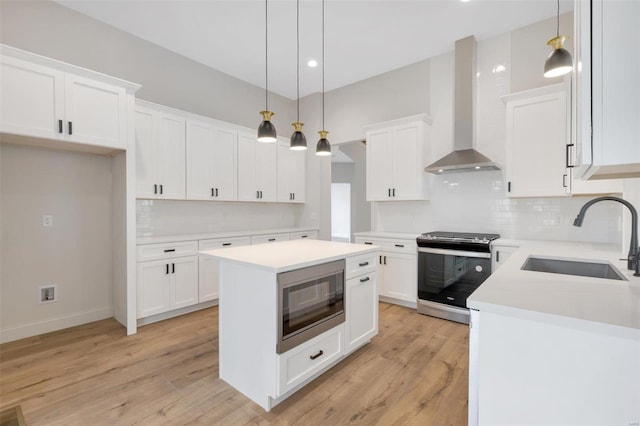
413 305
10 334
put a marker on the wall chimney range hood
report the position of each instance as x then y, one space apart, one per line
464 158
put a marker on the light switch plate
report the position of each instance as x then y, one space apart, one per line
47 220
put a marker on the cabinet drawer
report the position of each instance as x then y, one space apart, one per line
302 362
218 243
388 244
269 238
363 264
166 250
310 235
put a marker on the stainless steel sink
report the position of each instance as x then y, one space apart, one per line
583 268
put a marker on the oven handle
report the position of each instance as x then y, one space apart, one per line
458 253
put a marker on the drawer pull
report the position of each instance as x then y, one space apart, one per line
169 250
226 244
368 243
363 264
272 239
364 280
400 245
319 354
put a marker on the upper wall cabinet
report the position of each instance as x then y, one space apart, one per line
607 88
257 169
160 153
43 98
212 155
396 157
291 173
536 143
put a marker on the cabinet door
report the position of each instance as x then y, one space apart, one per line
400 276
32 98
536 143
291 173
170 143
225 161
267 170
379 164
153 288
146 154
184 281
362 310
208 269
200 157
408 173
247 186
95 112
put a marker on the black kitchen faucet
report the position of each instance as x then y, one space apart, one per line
633 259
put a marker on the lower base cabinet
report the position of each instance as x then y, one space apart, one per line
362 310
398 274
167 284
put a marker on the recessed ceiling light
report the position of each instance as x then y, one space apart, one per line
498 69
312 63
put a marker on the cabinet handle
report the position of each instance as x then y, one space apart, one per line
566 161
257 194
400 245
216 192
272 239
393 192
60 126
508 186
161 190
385 260
380 260
155 188
212 192
363 264
70 128
226 244
364 280
497 256
319 354
167 269
389 192
173 268
564 181
169 250
294 195
260 194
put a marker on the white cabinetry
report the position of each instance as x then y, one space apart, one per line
500 252
45 102
396 157
536 143
209 280
257 169
160 153
607 88
167 283
270 238
398 268
361 297
212 155
291 173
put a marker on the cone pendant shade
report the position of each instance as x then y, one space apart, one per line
266 130
298 139
323 148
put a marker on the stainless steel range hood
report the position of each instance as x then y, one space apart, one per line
464 158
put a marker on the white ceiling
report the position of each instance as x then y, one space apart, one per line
363 37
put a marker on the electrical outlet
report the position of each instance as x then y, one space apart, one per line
47 293
47 220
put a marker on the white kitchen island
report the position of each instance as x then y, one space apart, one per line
249 315
548 348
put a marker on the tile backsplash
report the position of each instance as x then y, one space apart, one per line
476 202
170 217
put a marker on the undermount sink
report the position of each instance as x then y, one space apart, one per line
583 268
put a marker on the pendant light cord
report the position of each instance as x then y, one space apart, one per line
298 56
323 65
558 21
266 56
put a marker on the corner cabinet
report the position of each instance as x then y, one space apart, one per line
257 169
607 88
292 166
160 153
62 103
396 157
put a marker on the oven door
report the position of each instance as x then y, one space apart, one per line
450 276
311 301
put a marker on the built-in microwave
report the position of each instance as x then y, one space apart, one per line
310 302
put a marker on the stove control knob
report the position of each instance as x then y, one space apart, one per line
484 240
476 239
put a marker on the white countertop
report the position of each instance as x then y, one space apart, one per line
513 291
384 234
289 255
154 239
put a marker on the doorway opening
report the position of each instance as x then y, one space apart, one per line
341 212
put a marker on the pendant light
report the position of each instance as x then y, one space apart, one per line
298 139
323 148
559 61
266 130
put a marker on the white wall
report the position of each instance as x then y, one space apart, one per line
341 211
75 253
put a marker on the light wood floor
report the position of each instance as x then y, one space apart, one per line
413 373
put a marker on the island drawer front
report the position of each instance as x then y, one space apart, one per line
218 243
363 264
389 244
304 361
166 250
269 238
300 235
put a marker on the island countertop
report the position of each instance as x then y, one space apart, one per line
529 294
289 255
